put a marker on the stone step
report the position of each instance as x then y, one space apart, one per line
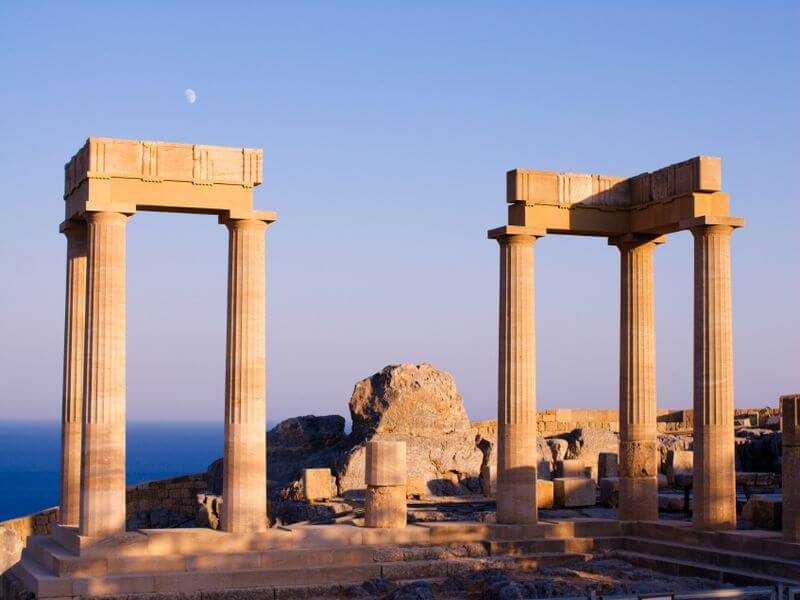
768 566
586 545
765 543
55 560
47 586
688 568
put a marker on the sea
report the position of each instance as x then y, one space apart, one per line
30 458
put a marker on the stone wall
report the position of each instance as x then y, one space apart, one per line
683 420
558 421
166 502
14 532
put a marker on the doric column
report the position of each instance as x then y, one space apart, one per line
102 510
245 459
790 467
72 393
516 394
714 480
638 464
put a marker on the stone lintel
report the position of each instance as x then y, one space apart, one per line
104 158
698 174
499 232
603 205
532 187
128 176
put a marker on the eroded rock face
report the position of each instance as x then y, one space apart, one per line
407 399
420 405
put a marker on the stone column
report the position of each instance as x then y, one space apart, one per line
245 456
516 395
638 464
102 509
790 469
714 478
72 393
385 504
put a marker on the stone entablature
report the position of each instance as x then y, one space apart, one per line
531 187
677 197
130 175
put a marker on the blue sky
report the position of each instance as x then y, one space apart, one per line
387 130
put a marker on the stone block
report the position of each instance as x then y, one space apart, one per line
609 491
607 465
570 468
662 481
317 484
671 502
385 463
680 463
573 491
764 510
544 493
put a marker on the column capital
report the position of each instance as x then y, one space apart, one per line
711 224
72 226
98 216
240 224
516 234
632 240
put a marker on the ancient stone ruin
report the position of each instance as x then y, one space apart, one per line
416 500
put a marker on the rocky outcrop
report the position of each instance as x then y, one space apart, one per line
420 405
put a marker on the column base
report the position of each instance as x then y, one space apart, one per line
638 498
516 503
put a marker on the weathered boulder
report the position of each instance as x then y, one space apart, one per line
308 434
420 405
407 399
763 510
293 445
11 545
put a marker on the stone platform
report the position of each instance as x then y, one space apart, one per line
283 562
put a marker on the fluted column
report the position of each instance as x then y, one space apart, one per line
245 467
72 392
516 394
638 464
714 480
790 467
102 509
